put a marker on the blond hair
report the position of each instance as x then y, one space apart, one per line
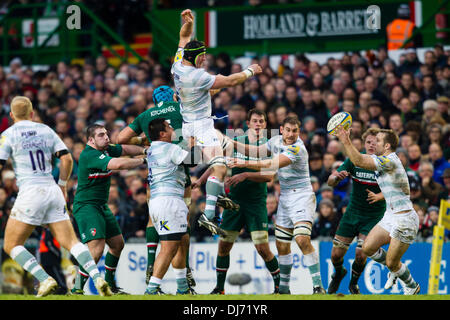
21 107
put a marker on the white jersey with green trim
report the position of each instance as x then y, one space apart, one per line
166 176
393 181
192 86
295 175
31 146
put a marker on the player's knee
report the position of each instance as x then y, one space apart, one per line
368 250
283 236
336 255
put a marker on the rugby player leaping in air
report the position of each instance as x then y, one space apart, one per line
193 85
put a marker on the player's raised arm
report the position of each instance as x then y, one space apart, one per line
129 136
272 164
132 150
236 78
187 27
361 160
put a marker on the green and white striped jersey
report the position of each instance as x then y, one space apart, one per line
393 182
166 175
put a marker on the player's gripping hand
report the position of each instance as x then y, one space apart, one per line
256 68
373 197
340 175
187 16
236 163
342 134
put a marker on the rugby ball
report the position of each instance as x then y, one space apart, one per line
341 118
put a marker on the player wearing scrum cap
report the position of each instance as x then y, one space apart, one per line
297 203
400 223
40 201
193 85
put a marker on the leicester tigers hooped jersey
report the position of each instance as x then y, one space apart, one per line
31 146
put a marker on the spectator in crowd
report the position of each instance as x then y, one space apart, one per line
440 164
430 188
328 219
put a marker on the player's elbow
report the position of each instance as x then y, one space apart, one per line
66 159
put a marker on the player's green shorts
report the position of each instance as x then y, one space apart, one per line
95 222
352 224
252 215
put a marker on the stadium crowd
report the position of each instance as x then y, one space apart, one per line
411 97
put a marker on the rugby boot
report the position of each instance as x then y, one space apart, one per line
392 279
354 288
47 287
217 291
102 287
336 281
227 203
157 292
76 292
210 225
118 291
319 290
411 291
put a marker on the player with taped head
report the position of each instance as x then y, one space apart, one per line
194 87
41 201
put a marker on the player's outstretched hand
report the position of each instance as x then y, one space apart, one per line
187 16
342 134
373 197
256 69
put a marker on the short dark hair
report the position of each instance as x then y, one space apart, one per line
291 120
155 127
258 112
390 137
90 130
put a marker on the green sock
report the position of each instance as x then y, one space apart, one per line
274 270
380 256
214 187
357 270
81 279
111 262
222 265
312 262
286 263
28 262
339 266
152 238
180 276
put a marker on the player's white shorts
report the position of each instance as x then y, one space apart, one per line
295 206
40 205
169 216
204 132
401 226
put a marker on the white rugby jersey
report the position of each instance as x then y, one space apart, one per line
192 86
165 175
295 175
393 182
31 146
